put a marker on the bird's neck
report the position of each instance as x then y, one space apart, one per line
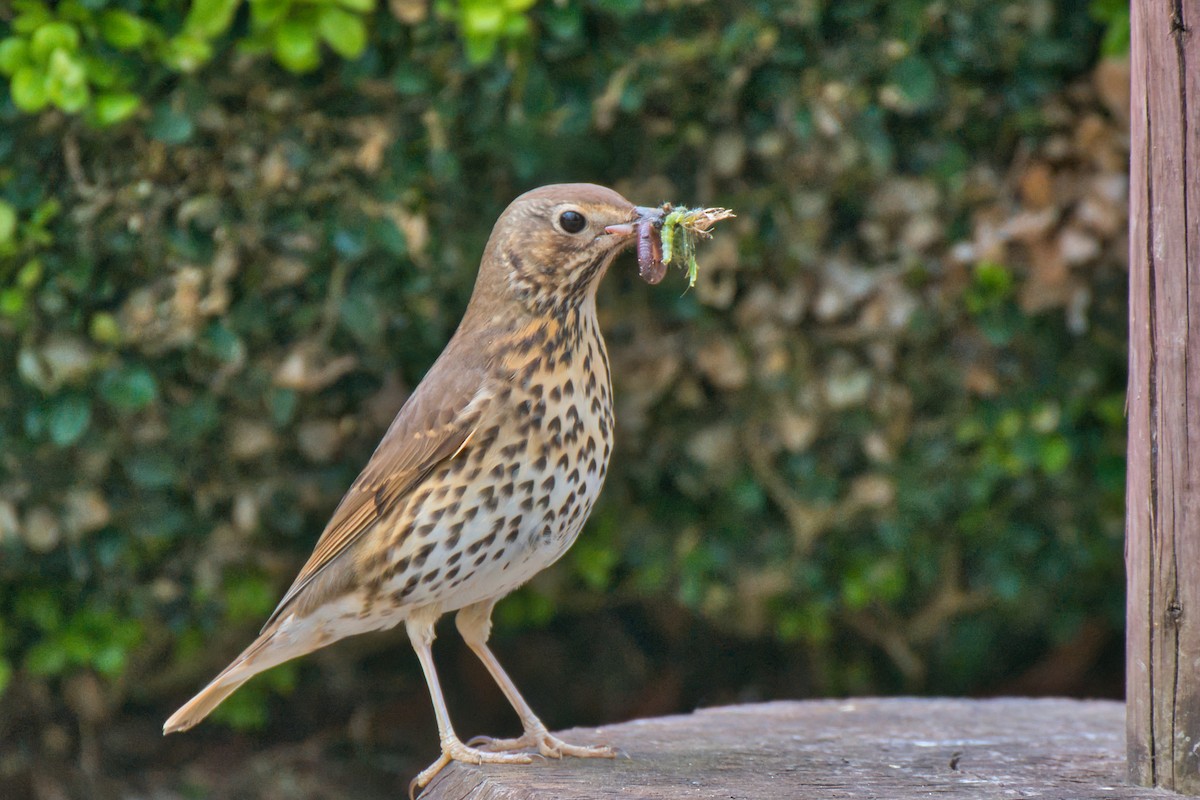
542 284
515 344
568 316
561 327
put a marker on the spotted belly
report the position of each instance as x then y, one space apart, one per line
508 506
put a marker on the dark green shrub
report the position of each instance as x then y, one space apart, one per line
847 438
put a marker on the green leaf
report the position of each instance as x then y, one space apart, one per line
151 470
363 317
14 54
565 22
32 17
916 81
8 223
595 564
47 657
480 49
41 608
255 43
295 47
51 37
69 420
5 675
1055 455
12 302
193 421
361 6
104 328
991 285
28 89
516 25
346 33
101 72
282 403
66 82
45 212
123 30
128 388
170 126
109 659
223 344
187 53
211 18
386 234
410 80
266 13
1115 15
350 241
482 19
113 107
247 597
75 642
1116 39
66 69
72 98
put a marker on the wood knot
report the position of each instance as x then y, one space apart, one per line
1177 25
1175 611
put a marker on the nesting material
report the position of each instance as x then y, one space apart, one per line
672 240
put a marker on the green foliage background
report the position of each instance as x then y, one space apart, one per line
232 235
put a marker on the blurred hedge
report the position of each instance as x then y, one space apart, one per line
884 431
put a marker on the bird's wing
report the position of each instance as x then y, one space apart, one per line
432 427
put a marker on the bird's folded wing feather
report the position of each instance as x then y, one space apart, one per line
431 428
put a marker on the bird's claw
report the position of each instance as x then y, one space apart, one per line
457 751
547 744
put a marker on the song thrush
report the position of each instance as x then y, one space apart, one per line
487 473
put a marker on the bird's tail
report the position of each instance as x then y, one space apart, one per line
202 704
267 651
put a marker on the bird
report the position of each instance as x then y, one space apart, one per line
484 478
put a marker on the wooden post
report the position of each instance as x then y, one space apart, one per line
1162 549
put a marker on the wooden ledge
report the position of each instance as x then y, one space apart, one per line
882 749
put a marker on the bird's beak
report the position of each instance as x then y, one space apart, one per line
643 213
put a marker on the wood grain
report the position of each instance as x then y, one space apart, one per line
884 749
1163 483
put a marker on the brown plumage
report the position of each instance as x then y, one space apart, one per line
487 474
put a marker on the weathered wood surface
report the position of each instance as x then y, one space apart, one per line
882 749
1163 489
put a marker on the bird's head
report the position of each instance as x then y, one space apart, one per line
552 245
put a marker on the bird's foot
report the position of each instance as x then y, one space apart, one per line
454 750
546 743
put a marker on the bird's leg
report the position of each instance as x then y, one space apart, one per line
475 624
420 633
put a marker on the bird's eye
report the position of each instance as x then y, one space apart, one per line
572 221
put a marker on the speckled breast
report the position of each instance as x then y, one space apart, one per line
516 497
